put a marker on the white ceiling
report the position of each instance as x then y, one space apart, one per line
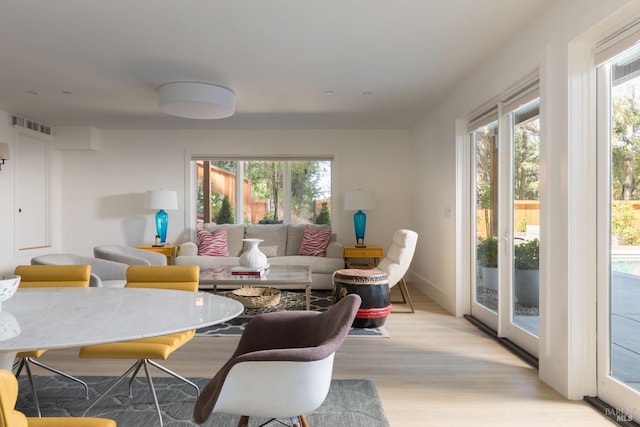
100 62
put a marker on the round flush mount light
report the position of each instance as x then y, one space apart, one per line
195 100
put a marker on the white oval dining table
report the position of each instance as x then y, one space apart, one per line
50 318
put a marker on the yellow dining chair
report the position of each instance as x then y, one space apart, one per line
174 277
9 417
39 276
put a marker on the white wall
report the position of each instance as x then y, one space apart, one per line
567 348
102 185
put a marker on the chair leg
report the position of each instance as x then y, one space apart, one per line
299 421
404 292
170 372
133 367
61 373
244 421
153 389
24 363
133 377
18 365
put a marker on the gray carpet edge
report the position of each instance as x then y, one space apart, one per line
350 402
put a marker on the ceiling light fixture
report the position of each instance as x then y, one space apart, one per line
195 100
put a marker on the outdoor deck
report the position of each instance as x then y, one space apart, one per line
625 328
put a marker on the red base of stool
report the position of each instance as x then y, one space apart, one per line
371 317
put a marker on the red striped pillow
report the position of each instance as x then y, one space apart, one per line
314 243
213 244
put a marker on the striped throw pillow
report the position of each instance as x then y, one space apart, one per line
314 243
213 244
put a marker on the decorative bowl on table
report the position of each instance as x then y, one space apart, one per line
256 297
8 287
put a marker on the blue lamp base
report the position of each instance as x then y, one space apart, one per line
360 224
162 221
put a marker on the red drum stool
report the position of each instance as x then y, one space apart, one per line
373 288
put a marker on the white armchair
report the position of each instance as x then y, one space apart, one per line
104 273
397 261
129 255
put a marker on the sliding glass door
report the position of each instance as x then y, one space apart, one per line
485 289
506 218
525 219
619 233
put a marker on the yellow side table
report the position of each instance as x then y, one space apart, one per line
367 257
167 250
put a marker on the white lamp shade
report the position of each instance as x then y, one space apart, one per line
161 199
194 100
358 200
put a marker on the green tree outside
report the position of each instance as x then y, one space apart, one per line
225 215
324 217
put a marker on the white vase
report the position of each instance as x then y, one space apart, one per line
253 258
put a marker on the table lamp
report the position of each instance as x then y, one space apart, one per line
161 199
359 201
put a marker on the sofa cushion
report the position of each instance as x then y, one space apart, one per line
271 234
270 250
213 243
235 234
295 234
314 243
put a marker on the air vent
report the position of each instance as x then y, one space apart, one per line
30 124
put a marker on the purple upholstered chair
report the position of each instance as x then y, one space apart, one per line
282 367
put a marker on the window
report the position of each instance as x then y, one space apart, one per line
271 191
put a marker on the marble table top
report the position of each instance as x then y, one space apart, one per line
49 318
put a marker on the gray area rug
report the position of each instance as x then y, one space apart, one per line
350 403
289 300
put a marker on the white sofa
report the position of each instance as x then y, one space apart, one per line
281 244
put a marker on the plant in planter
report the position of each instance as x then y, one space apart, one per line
527 272
487 258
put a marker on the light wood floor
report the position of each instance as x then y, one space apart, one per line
435 370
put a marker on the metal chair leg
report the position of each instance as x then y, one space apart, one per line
24 363
61 373
133 377
112 386
153 389
134 369
170 372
